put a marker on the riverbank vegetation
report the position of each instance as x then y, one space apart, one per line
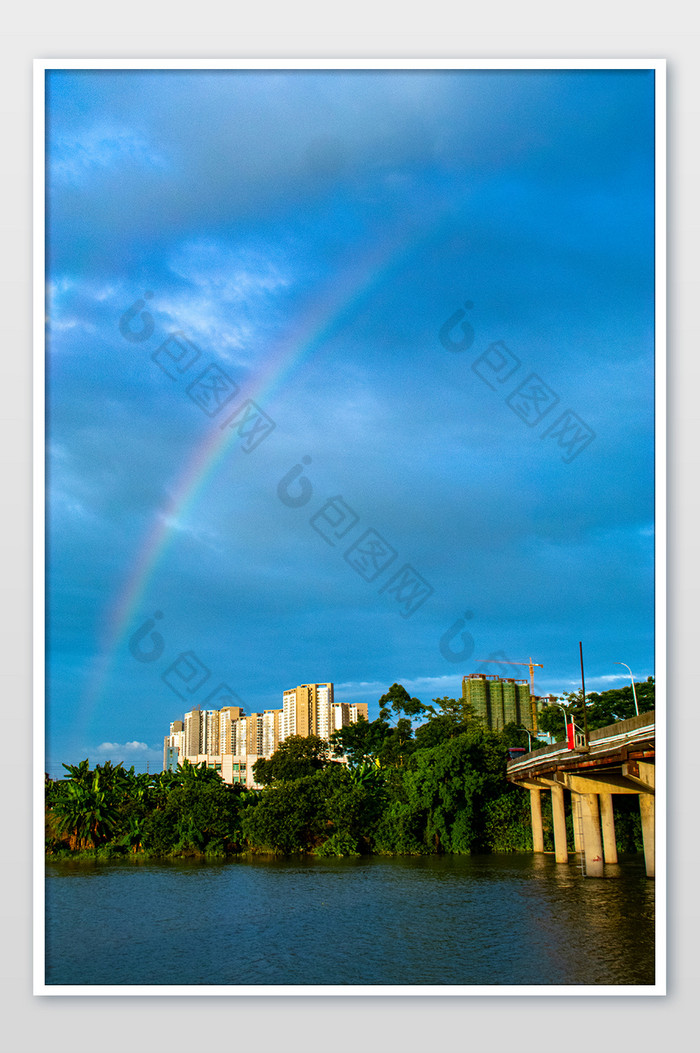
419 779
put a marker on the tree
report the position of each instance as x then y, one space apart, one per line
439 802
188 773
448 717
517 735
397 745
288 817
457 709
361 741
602 709
294 758
618 703
398 699
199 816
507 823
438 729
354 800
85 810
550 720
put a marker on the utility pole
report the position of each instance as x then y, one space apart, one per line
583 689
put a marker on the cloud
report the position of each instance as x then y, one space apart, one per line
126 747
239 200
138 755
426 682
603 682
75 156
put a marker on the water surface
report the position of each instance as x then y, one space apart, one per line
484 920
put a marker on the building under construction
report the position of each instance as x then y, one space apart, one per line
498 701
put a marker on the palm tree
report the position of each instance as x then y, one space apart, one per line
85 810
189 773
133 835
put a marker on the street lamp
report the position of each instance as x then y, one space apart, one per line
566 716
529 736
634 693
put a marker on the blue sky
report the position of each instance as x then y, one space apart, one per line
434 293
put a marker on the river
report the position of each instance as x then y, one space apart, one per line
446 920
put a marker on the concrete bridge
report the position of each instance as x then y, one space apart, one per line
616 759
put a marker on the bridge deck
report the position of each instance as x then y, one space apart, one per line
626 742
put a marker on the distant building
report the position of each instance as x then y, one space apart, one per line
271 727
307 710
228 720
230 741
344 713
173 746
499 701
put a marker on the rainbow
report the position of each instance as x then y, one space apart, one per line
322 319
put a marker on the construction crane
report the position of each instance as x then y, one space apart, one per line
530 663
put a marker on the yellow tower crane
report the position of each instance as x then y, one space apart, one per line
530 663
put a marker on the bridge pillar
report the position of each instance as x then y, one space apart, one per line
559 822
536 814
577 821
647 810
608 823
592 844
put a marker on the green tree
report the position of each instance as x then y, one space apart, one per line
85 811
354 801
602 708
507 824
361 741
399 701
438 804
438 729
618 703
397 745
457 709
517 735
199 816
550 721
133 834
188 773
288 817
294 758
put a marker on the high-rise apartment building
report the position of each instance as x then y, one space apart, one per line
210 731
228 719
230 740
193 733
173 746
201 732
344 713
271 725
307 710
254 735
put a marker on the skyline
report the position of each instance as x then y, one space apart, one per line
373 266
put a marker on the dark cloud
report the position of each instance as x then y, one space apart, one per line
323 227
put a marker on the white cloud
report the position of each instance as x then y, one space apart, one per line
73 155
231 295
137 754
608 680
127 747
421 683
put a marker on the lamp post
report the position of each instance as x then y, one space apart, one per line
634 693
529 737
583 695
566 716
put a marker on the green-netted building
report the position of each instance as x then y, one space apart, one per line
498 701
